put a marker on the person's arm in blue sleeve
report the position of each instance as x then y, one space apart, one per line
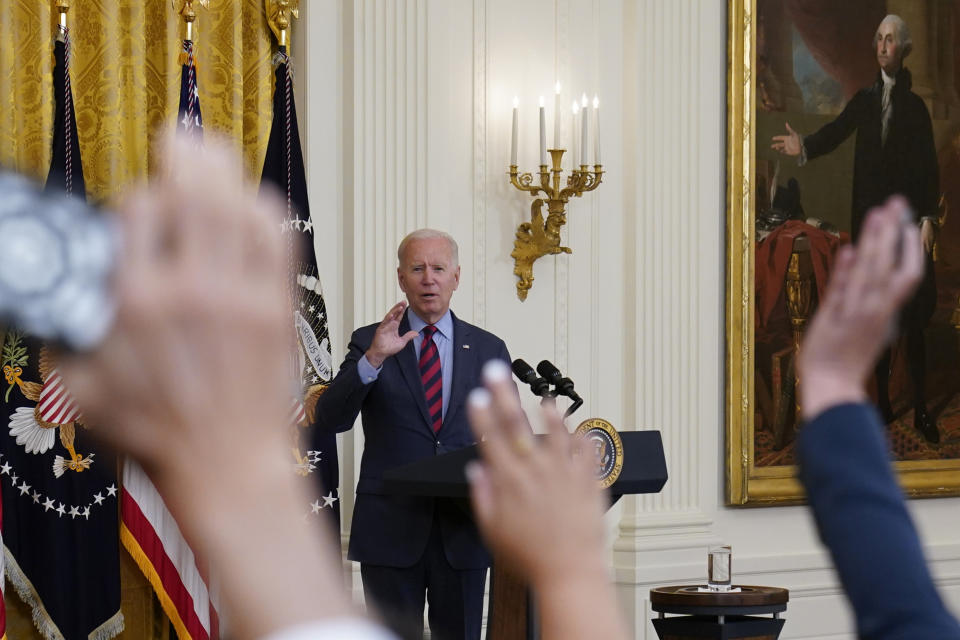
862 518
842 449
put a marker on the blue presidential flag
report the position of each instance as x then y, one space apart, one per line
60 529
315 451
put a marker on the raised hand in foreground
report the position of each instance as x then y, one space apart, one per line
539 508
194 382
843 450
868 286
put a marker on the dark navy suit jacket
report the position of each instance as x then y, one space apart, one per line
391 530
863 520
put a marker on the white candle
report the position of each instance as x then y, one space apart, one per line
513 142
596 129
543 134
573 135
584 117
556 117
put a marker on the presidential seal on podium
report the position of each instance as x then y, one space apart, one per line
603 441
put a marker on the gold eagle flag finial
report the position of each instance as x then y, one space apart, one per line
279 13
62 7
189 14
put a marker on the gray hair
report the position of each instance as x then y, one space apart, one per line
902 32
429 234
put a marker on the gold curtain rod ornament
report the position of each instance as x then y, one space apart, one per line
279 13
63 6
189 15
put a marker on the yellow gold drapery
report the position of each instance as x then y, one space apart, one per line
126 77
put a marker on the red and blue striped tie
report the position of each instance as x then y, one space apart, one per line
432 377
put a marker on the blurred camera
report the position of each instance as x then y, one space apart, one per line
56 257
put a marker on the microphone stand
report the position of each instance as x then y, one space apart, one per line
573 407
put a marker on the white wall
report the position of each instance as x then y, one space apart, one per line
406 107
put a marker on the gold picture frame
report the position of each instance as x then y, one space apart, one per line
748 484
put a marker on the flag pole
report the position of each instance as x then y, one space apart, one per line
63 6
314 451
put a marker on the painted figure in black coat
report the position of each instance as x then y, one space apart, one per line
894 154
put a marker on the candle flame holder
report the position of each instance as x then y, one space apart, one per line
540 237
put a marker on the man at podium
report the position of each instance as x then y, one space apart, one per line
408 377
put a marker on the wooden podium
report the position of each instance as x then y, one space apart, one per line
510 616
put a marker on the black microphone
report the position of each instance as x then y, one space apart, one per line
527 375
553 376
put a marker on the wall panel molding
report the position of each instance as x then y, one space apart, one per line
670 303
597 225
561 262
662 538
391 139
480 65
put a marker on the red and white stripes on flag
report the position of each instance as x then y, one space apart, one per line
56 404
152 537
298 413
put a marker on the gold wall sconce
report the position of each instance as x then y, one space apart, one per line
539 237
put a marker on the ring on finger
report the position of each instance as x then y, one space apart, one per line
523 445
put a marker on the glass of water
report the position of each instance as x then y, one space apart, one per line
718 568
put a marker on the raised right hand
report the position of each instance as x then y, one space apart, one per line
789 144
387 340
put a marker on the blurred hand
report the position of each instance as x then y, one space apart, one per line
539 507
387 340
868 285
194 381
789 144
197 359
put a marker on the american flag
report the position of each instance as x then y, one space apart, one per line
189 118
149 532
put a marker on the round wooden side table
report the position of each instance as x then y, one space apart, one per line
699 613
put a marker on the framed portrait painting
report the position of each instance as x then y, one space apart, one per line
831 108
